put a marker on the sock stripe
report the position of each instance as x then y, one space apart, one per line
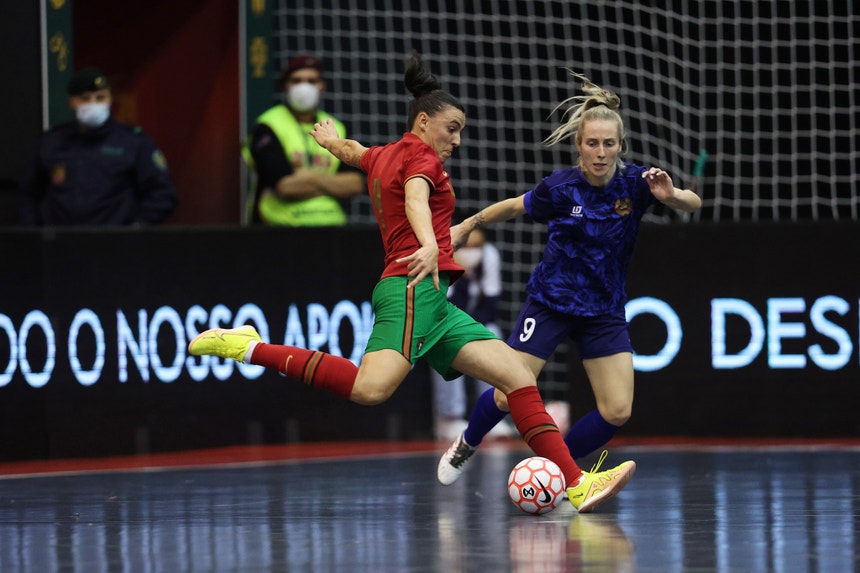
311 368
537 430
409 324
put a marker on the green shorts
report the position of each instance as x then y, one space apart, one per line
421 323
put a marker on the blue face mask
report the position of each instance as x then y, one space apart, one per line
93 115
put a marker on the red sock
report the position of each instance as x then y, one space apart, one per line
314 368
539 431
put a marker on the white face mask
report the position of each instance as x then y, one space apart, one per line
93 115
469 257
303 97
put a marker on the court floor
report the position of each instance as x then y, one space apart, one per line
377 507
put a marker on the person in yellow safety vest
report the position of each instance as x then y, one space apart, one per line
298 183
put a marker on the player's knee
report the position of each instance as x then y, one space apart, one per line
519 376
501 401
370 395
617 414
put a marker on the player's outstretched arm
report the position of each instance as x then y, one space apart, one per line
347 150
501 211
665 191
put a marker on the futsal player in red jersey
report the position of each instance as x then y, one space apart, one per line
414 200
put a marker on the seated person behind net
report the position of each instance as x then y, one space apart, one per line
298 183
477 292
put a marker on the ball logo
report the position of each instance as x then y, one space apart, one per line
536 485
546 497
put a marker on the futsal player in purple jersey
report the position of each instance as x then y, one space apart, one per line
578 290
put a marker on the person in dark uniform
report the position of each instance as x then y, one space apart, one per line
94 171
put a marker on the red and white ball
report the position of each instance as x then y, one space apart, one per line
536 485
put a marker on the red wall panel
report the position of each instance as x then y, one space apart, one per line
174 67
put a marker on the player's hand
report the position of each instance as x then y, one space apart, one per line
325 132
660 183
460 235
423 262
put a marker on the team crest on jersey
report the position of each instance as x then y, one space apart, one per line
623 206
58 175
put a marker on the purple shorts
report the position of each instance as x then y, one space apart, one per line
540 330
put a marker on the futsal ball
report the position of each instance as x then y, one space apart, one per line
536 485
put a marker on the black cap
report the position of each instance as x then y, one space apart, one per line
87 80
300 63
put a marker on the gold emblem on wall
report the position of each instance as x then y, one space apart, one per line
57 4
258 56
57 45
258 7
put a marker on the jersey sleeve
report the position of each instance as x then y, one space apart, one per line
538 203
642 191
368 158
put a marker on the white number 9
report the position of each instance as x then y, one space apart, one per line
528 329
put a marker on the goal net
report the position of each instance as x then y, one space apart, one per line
768 88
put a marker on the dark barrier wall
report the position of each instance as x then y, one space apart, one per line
744 330
115 310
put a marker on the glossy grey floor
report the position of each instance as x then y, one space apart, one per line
718 510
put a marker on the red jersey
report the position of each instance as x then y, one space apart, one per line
388 169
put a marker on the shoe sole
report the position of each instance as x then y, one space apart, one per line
592 503
195 339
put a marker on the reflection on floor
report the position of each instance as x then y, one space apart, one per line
697 508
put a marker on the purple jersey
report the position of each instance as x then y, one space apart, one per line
592 232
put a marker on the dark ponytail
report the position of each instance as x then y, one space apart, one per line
427 92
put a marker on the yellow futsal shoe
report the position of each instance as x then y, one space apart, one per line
595 487
224 342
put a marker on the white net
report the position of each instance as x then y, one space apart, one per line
767 87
